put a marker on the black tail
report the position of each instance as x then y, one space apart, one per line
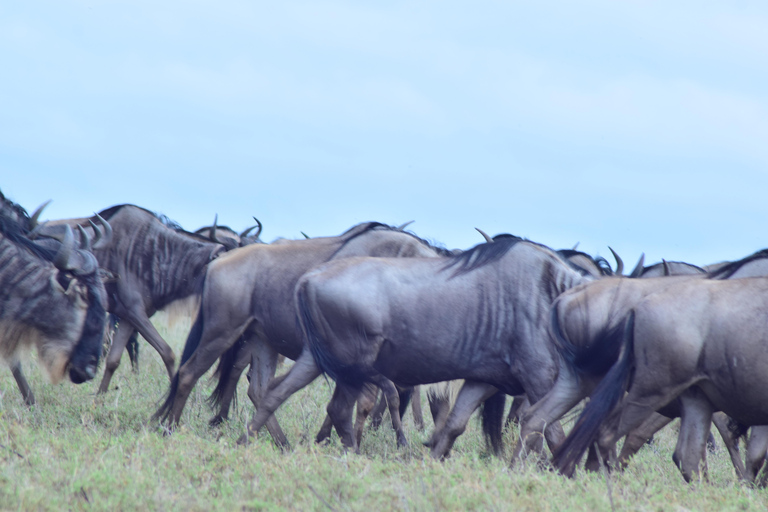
326 361
223 372
193 340
405 395
493 421
602 401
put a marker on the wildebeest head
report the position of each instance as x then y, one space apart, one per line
51 296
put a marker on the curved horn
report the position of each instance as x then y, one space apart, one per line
619 263
85 240
258 225
403 226
305 235
667 273
101 240
36 214
212 231
638 270
64 254
488 239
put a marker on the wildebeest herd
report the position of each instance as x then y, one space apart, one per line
377 308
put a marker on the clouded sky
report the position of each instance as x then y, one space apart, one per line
640 125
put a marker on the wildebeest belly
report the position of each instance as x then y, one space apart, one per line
413 364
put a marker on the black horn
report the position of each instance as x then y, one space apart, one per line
488 239
638 270
64 254
258 225
101 239
85 240
36 214
619 262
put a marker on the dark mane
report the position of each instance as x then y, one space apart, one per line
15 207
365 227
731 268
164 220
14 232
482 254
600 262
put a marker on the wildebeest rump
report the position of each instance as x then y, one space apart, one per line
481 316
250 293
706 337
51 297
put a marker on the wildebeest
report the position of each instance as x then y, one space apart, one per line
586 321
481 316
701 340
249 295
157 263
51 297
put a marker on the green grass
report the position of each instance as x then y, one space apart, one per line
76 451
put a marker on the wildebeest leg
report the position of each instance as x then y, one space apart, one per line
720 420
564 395
21 381
365 402
340 411
215 339
418 417
642 400
132 348
520 405
142 324
756 451
325 430
279 390
639 436
263 368
440 407
243 359
120 339
378 412
472 394
393 402
695 420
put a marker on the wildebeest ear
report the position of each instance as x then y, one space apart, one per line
108 276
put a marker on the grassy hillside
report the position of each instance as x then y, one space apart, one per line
77 451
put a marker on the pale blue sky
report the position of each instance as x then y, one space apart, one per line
640 125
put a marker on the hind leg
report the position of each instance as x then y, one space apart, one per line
378 412
393 402
472 394
695 420
340 412
756 454
279 390
123 333
440 407
243 359
214 341
720 420
21 381
568 391
520 405
263 368
365 403
418 417
639 436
